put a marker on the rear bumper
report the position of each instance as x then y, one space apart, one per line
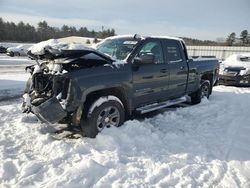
50 111
237 80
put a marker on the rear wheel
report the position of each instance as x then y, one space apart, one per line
204 91
109 113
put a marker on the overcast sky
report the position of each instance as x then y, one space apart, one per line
202 19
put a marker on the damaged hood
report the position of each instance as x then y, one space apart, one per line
53 49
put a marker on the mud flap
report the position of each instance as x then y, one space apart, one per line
50 111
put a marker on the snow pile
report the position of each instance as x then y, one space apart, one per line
205 145
38 49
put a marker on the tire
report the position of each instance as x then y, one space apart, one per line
203 91
109 113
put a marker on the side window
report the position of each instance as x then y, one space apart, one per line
152 48
173 52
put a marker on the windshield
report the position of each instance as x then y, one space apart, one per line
117 48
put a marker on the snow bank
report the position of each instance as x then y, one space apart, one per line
205 145
38 49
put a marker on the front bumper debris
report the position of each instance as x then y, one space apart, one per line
50 111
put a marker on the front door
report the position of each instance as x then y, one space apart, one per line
150 80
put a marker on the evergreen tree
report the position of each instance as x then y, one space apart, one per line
244 37
42 31
2 29
83 32
231 39
65 30
22 32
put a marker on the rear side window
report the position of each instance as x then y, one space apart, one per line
173 52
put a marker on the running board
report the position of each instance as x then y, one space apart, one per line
157 106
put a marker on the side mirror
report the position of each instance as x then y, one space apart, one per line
144 59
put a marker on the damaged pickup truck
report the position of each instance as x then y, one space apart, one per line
123 75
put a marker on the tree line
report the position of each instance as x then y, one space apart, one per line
196 42
242 40
231 40
24 32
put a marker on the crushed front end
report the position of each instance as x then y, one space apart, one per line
50 94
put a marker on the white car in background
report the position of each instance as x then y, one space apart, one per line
20 50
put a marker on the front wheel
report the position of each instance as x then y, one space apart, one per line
203 91
109 113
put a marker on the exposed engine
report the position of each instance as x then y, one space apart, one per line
46 81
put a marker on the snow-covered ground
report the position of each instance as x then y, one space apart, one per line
205 145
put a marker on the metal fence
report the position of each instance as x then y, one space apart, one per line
221 52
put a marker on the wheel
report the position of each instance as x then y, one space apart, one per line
203 91
109 113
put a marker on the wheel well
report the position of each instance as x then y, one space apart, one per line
210 78
118 92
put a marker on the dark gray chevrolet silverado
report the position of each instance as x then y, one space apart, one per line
123 75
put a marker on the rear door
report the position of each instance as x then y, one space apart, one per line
150 81
178 69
